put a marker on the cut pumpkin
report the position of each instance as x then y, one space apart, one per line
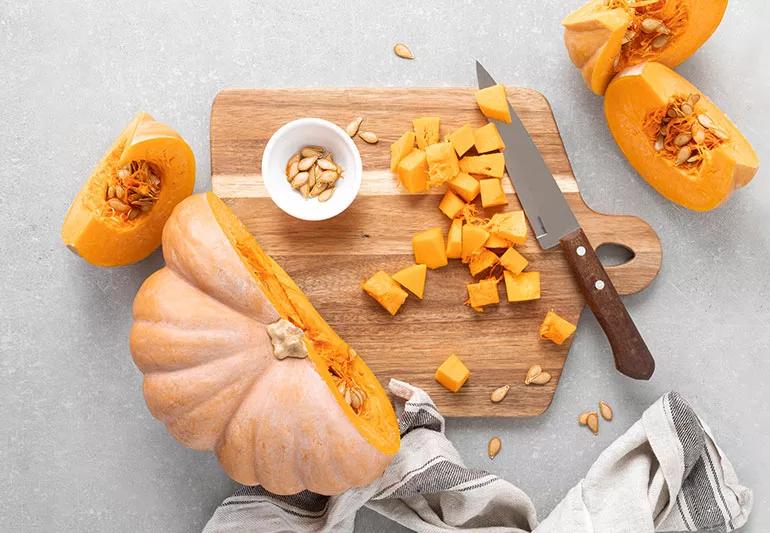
474 237
400 149
481 261
426 131
493 103
487 139
442 163
465 186
385 291
555 328
462 139
117 217
483 293
209 332
429 248
452 373
492 165
522 287
413 171
412 278
676 138
451 205
454 240
603 37
492 194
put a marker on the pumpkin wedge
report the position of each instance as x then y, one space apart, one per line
676 138
118 215
236 360
604 37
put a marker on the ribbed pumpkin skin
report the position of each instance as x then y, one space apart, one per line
200 339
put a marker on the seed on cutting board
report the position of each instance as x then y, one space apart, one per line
583 418
493 448
326 194
605 410
368 136
499 394
533 371
403 51
592 421
352 127
541 379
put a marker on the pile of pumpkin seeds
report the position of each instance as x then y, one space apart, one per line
313 172
133 190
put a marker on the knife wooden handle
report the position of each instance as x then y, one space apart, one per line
632 357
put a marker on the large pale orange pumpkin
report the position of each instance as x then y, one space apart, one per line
209 329
604 37
145 150
715 157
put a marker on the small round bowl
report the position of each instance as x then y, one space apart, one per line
291 138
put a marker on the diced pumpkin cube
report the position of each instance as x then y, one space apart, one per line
442 163
451 204
462 139
400 149
481 261
555 328
492 165
413 171
493 103
511 226
429 248
497 242
412 278
454 239
387 292
426 131
483 293
513 261
487 139
474 237
522 287
465 186
492 193
452 374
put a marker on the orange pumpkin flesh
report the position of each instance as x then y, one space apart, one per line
604 37
635 103
105 237
210 374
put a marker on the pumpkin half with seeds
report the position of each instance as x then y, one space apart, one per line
236 360
604 37
118 215
676 138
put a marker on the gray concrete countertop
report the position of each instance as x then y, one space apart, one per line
79 450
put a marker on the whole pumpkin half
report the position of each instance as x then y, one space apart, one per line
236 360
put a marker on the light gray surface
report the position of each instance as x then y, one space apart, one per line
78 449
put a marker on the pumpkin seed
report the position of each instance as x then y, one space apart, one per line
592 421
110 192
353 126
533 371
355 401
583 418
541 379
132 214
325 164
499 394
659 142
328 176
304 190
310 151
293 169
119 191
348 397
326 194
694 159
650 25
352 354
720 133
306 162
671 112
605 410
118 205
368 136
403 51
317 189
705 121
293 159
683 155
693 99
686 109
660 41
341 387
682 139
493 448
300 180
699 136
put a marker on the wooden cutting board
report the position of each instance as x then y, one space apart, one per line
329 259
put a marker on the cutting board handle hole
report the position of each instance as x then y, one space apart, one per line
613 254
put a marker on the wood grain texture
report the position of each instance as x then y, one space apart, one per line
329 259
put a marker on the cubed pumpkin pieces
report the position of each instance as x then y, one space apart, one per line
483 293
555 328
522 287
473 239
412 278
493 103
487 139
400 149
496 242
465 186
413 171
442 163
462 139
426 131
492 165
451 205
452 374
387 292
511 226
454 240
513 261
482 261
429 248
492 194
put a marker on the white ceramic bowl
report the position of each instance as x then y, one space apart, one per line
291 138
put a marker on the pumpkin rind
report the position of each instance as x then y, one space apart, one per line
104 241
200 339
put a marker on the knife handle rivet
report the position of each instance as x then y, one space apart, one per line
599 284
581 251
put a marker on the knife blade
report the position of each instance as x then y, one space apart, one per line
554 223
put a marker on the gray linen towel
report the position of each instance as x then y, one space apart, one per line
665 473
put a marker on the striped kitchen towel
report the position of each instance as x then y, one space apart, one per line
665 473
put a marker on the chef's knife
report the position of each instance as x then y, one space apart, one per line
554 224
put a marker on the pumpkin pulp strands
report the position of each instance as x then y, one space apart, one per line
133 190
